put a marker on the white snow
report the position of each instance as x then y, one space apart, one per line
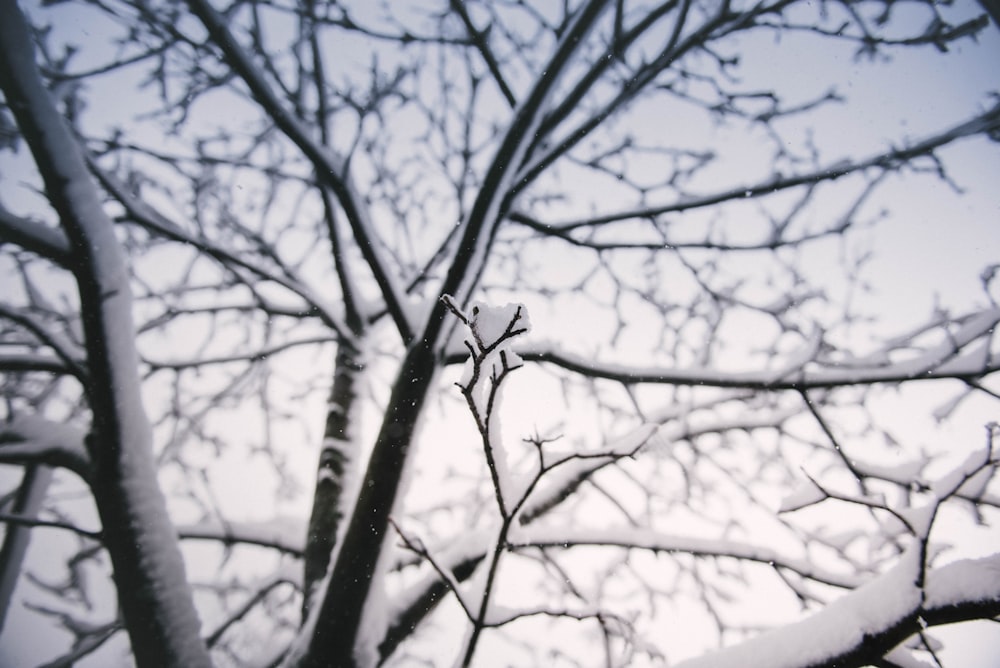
493 322
964 580
837 628
494 329
902 658
970 477
33 438
868 610
946 358
806 494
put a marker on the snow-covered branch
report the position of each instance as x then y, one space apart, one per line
963 354
66 350
865 624
46 241
633 538
157 607
32 438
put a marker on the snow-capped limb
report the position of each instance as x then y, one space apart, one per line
154 595
416 545
558 485
336 468
48 242
863 626
335 626
330 168
68 351
970 478
33 439
459 557
491 360
953 358
806 494
655 541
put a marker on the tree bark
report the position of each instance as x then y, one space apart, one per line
331 476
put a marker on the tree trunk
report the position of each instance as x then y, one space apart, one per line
331 476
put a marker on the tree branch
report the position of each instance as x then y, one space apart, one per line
330 168
153 592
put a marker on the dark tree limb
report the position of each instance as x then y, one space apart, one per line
154 596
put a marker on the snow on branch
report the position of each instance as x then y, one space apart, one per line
954 357
655 541
869 622
967 481
491 360
157 608
46 241
864 625
31 438
71 353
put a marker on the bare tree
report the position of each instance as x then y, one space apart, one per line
635 234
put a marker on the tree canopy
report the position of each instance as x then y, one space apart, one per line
517 332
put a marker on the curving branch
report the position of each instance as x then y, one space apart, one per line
963 354
34 439
42 240
156 604
859 628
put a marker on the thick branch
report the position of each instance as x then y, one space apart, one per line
153 592
27 503
35 237
33 439
863 626
330 503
